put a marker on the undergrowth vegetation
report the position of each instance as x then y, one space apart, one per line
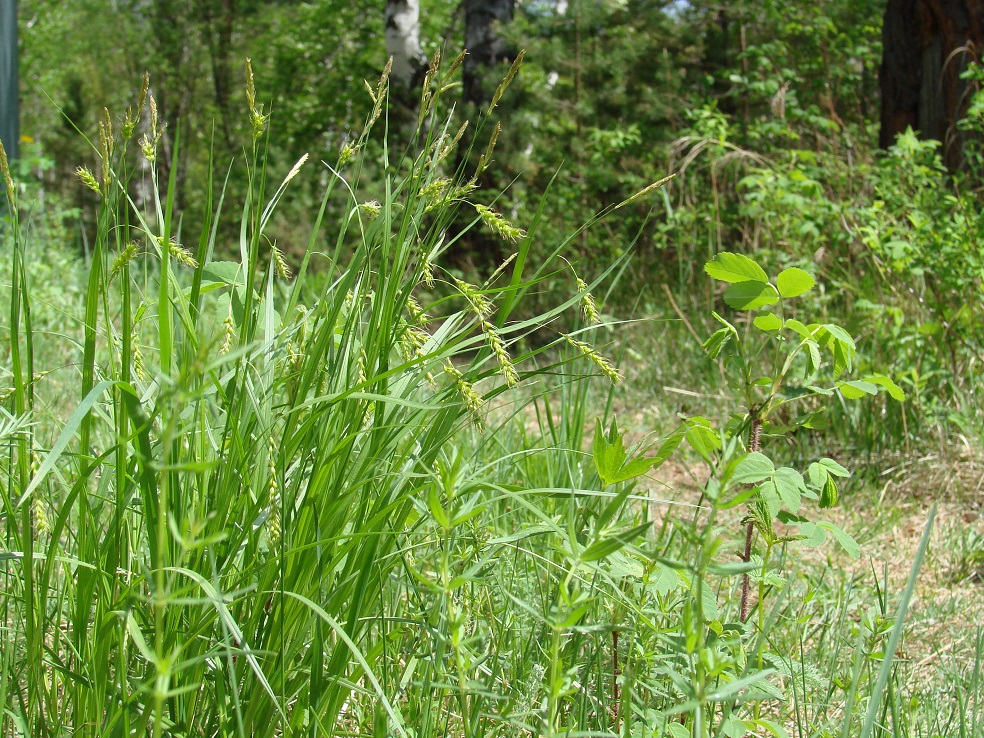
362 500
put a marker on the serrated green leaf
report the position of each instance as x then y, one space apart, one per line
610 455
813 358
790 485
794 282
856 389
813 534
634 468
768 322
753 468
608 452
797 327
702 437
894 390
828 494
770 496
731 267
751 295
832 467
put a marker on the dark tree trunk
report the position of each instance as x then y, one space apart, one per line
927 44
9 121
485 45
220 18
719 58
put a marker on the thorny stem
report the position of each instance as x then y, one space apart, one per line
754 443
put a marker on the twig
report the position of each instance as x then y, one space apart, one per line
676 309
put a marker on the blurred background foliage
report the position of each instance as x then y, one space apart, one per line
768 111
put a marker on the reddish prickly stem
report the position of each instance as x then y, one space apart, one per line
754 443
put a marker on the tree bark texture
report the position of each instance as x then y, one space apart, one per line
927 44
219 16
403 43
485 45
9 98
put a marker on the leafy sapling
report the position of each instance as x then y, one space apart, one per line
779 361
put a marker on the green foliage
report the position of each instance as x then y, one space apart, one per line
364 500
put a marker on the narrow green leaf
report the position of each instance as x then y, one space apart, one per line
842 537
716 341
813 358
436 509
887 665
666 449
391 710
609 544
66 435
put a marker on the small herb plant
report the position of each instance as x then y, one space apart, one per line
774 362
779 363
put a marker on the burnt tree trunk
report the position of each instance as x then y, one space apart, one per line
927 44
485 45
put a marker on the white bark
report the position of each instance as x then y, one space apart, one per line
403 40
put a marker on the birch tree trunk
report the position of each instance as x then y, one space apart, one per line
403 43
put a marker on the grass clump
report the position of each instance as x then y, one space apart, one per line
353 501
207 543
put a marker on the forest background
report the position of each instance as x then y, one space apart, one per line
774 116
